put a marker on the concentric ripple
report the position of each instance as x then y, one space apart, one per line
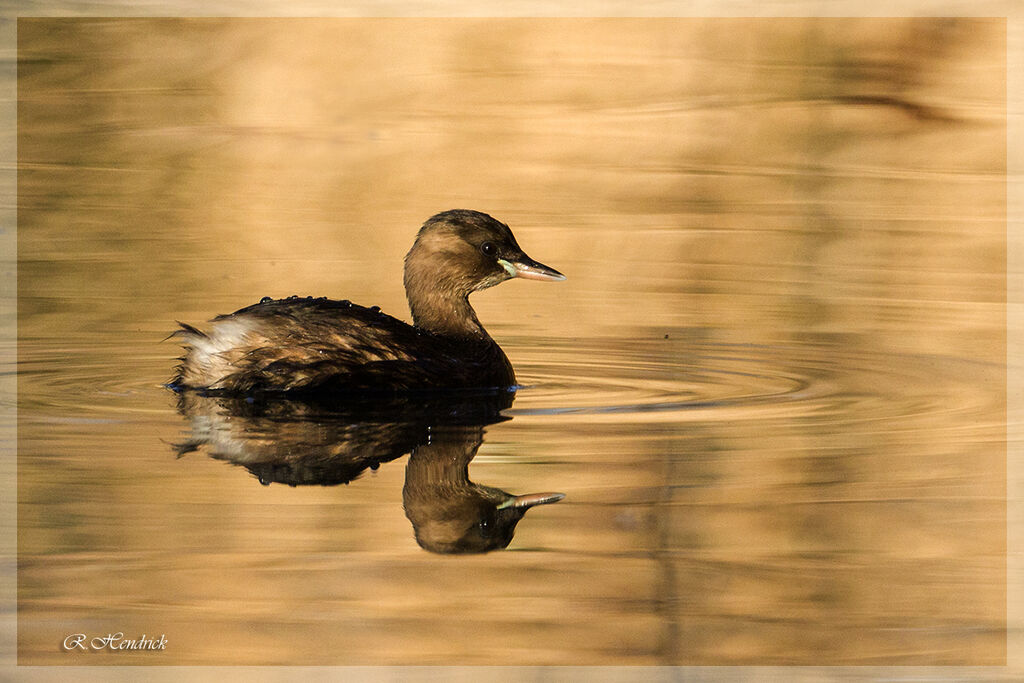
672 378
821 378
88 382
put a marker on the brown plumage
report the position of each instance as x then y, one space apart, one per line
302 345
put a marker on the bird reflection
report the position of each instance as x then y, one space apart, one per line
451 514
316 442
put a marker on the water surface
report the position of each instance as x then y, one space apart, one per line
772 388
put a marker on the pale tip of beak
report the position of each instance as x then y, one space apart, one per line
530 500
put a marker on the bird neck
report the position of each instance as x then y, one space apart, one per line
450 317
439 306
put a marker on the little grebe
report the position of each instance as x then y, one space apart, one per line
302 345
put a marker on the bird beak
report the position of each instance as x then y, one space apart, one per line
528 269
531 499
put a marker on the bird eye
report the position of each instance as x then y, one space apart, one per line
488 249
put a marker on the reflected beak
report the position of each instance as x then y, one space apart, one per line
528 269
531 499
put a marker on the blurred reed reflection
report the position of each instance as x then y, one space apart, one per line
326 443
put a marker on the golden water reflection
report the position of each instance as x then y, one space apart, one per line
772 387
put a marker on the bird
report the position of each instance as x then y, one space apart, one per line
307 345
